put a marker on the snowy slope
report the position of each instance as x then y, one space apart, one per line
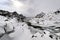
25 32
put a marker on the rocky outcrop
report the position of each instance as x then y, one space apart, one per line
57 12
12 15
40 15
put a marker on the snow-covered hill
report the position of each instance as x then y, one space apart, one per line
18 27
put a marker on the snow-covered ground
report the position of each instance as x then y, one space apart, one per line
25 32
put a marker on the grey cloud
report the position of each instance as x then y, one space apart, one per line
5 2
34 6
43 5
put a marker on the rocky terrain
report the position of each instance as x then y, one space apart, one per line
44 26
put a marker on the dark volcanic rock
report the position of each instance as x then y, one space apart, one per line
15 14
12 15
51 36
40 15
21 17
57 12
37 27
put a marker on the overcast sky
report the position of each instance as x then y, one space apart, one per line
30 7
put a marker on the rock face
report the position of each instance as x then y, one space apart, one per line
40 15
11 15
16 26
57 12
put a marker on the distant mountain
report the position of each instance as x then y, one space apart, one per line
12 14
57 12
40 15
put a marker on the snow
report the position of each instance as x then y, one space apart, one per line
25 32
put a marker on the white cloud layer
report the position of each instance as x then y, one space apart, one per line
30 7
